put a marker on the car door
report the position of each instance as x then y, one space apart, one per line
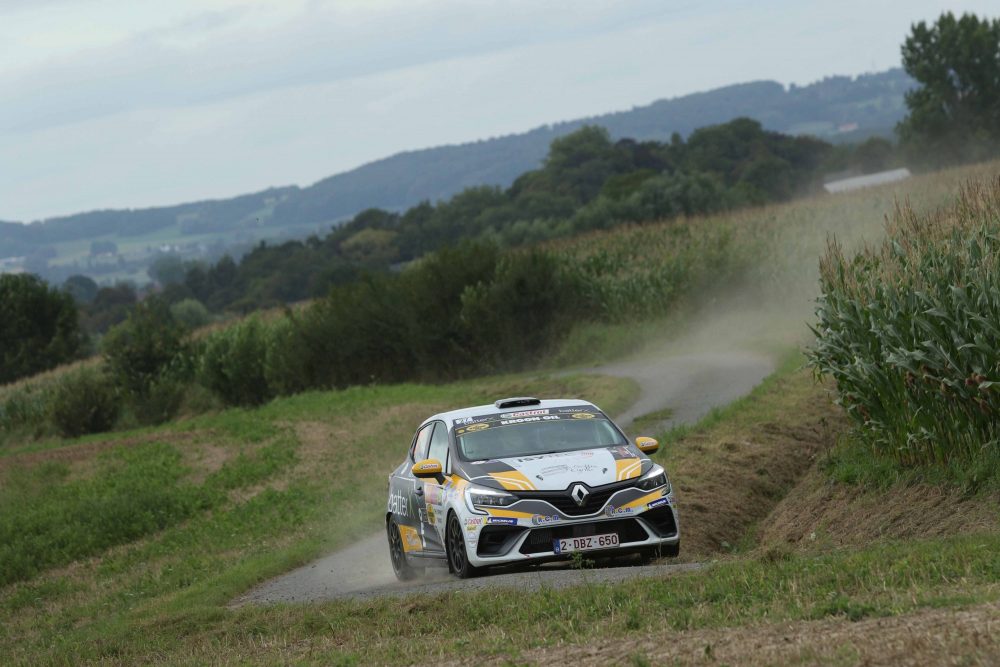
409 511
435 513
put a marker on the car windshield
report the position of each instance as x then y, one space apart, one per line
503 436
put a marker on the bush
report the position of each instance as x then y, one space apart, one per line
233 363
26 409
516 316
190 313
84 401
138 350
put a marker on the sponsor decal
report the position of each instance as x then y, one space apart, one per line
623 451
398 504
584 454
464 425
501 520
427 466
543 520
431 517
432 493
526 420
411 540
611 510
472 428
472 524
657 503
524 413
564 469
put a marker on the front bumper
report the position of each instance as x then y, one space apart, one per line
527 532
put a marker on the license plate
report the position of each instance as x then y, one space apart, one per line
571 544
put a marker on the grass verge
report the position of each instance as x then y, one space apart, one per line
257 492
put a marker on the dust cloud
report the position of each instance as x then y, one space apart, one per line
720 350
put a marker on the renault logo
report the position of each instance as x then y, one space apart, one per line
579 494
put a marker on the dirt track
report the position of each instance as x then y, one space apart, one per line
690 385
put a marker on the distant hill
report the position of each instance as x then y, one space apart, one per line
835 109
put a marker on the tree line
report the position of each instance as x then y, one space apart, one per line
586 182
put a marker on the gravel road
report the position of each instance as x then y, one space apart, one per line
690 385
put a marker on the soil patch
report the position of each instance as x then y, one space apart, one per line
732 476
820 513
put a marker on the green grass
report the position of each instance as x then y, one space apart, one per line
47 520
852 462
172 523
884 580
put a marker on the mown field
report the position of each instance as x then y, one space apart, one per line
128 547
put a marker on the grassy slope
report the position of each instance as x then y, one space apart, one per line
745 593
162 598
285 483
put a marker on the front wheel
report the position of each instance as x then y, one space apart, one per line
458 557
400 567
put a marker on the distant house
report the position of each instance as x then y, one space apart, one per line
847 127
867 181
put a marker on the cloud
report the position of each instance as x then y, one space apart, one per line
231 52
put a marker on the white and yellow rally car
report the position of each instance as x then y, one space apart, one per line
526 480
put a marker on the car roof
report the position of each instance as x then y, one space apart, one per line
491 409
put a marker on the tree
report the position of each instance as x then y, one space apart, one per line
38 327
955 111
139 349
82 288
874 154
167 270
580 162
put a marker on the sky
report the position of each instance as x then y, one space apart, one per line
117 103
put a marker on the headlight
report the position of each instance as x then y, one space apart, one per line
480 496
656 478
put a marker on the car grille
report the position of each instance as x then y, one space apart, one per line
662 520
540 539
564 502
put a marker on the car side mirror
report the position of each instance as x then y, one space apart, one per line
426 468
645 445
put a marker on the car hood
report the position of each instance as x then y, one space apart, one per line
555 472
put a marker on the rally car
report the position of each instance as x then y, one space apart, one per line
526 480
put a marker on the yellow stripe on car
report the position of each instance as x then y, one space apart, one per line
513 481
411 539
513 514
648 498
627 468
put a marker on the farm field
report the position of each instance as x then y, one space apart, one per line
130 547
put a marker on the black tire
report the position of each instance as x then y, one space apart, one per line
458 557
400 566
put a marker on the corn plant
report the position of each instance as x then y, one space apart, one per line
910 330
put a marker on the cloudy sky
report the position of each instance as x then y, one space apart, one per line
117 103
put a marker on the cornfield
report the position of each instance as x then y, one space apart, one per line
909 329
